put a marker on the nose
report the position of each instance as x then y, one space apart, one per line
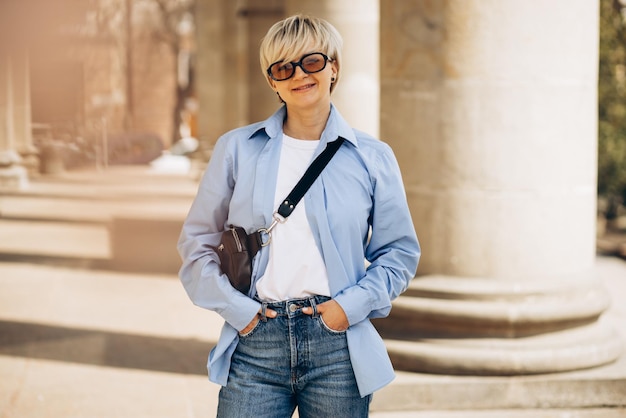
299 72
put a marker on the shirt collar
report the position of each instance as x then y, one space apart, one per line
336 126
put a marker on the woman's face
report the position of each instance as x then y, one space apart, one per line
306 90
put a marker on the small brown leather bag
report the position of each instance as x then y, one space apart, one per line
236 251
237 248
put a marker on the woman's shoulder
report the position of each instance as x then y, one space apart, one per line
375 154
370 144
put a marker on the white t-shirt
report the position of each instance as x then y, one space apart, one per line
295 268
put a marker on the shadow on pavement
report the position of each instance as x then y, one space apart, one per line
104 348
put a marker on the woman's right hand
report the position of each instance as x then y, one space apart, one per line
268 312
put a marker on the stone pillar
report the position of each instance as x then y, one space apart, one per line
490 106
260 15
12 173
221 69
357 94
22 112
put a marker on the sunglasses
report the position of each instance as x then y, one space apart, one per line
309 63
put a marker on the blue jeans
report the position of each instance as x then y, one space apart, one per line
293 360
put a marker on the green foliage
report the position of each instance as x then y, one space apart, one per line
612 105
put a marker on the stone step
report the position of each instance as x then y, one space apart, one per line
601 387
509 413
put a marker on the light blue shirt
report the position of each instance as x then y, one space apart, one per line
361 188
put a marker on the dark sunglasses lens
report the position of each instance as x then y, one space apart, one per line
314 63
281 71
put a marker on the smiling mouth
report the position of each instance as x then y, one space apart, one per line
305 87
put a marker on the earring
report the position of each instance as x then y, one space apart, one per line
332 79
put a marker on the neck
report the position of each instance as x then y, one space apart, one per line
306 123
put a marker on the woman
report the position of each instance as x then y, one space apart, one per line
302 335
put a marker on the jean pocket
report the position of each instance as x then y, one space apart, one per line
329 329
252 331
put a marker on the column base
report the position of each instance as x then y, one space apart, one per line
483 327
30 160
14 177
576 349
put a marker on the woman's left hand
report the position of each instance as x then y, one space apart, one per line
332 313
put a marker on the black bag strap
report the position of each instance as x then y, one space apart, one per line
309 176
256 239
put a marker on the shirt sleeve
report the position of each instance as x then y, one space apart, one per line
200 273
393 250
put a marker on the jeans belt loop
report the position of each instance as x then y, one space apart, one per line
314 307
263 311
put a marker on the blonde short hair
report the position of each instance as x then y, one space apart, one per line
287 39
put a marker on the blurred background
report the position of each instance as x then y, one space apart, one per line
114 74
508 119
611 121
115 81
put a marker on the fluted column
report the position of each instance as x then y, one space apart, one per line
12 173
491 108
357 94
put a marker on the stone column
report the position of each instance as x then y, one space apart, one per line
22 112
490 106
221 70
357 94
12 173
260 15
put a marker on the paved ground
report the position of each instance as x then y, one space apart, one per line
78 339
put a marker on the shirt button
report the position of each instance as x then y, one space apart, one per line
293 307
